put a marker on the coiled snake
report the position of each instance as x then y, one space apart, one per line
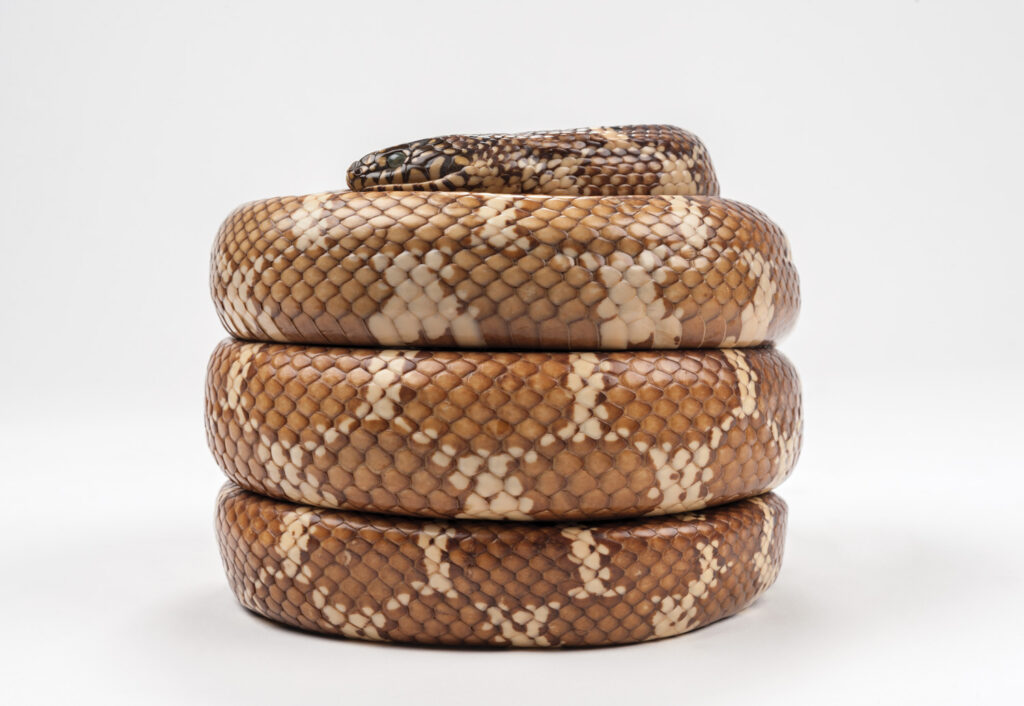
571 269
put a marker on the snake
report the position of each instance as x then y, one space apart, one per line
506 390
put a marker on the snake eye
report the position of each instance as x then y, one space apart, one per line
395 159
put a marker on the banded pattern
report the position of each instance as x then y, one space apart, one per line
502 435
603 161
577 273
373 577
427 269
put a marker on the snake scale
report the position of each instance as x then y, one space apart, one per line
524 436
570 267
489 331
376 577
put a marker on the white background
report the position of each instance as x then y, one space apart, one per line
886 138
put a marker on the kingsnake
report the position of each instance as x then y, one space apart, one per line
489 334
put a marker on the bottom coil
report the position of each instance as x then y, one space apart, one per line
375 577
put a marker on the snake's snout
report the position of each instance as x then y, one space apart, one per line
357 174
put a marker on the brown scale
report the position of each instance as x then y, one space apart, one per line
496 435
497 583
443 269
621 160
619 243
391 265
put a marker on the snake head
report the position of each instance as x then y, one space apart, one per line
434 164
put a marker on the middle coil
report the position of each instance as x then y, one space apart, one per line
503 435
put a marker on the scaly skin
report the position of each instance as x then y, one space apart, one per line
473 270
519 584
603 252
500 435
628 160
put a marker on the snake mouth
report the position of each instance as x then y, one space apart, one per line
363 177
413 180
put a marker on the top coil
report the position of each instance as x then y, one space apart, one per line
621 245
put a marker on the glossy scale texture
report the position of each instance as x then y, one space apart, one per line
502 435
520 584
546 356
660 269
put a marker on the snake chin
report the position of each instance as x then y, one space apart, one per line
387 182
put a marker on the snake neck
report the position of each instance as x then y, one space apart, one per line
627 160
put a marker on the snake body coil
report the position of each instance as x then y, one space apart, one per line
497 583
499 435
578 274
557 271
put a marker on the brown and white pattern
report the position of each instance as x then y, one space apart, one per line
497 583
572 270
503 435
485 270
598 161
